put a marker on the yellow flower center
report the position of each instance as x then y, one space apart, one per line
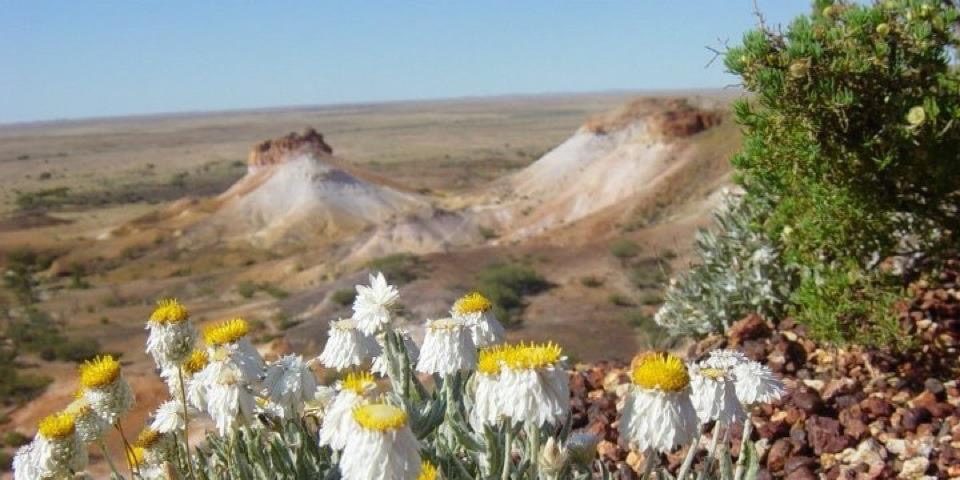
518 357
427 471
169 311
99 372
148 437
359 382
660 371
226 332
380 417
57 426
472 303
196 361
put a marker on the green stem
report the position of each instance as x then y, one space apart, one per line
186 419
747 432
713 450
106 455
533 436
688 461
131 457
507 454
650 461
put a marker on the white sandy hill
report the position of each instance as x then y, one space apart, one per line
296 191
606 164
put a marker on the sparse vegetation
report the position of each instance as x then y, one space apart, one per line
343 297
624 248
400 267
620 300
591 281
506 285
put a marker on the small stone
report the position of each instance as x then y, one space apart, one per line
914 467
750 327
635 460
780 451
896 446
934 386
815 384
824 435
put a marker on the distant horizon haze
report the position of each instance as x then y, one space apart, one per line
67 61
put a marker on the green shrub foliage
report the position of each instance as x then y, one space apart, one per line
853 137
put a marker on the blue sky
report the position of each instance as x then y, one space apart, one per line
71 59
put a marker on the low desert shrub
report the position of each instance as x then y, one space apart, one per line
506 285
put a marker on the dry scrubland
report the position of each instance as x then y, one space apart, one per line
82 223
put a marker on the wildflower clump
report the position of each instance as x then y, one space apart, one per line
105 389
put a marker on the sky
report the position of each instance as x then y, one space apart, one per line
67 59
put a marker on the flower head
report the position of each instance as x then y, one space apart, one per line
338 423
169 311
56 451
755 383
381 447
347 346
371 307
658 413
99 372
714 394
289 383
428 471
57 426
473 302
196 361
168 417
225 332
475 311
447 348
522 382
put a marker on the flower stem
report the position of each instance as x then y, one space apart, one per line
106 455
650 461
688 461
186 419
128 450
533 436
747 432
507 454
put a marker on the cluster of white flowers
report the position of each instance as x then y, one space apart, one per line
517 392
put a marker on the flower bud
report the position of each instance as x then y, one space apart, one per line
883 29
582 447
552 457
916 116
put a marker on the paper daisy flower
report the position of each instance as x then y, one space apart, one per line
105 389
447 348
371 307
89 425
168 417
171 335
289 383
26 463
658 414
382 447
58 451
347 346
487 406
476 312
413 352
227 396
355 389
147 471
714 394
533 386
756 383
158 448
231 336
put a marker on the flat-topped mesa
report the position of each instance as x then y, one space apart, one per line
666 118
279 150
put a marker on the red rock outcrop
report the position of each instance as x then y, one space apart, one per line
274 151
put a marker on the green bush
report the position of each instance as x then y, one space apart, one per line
506 285
620 300
344 297
591 281
400 268
852 138
247 289
624 248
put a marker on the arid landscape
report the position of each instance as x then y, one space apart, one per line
581 206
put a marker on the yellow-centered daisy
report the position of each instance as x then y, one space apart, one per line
169 311
99 372
225 332
660 371
57 426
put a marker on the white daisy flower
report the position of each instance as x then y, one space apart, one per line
371 307
89 425
756 383
26 463
487 407
476 312
229 398
658 413
105 389
533 386
347 346
355 389
382 447
168 417
725 359
289 383
413 352
447 348
714 395
57 450
231 337
171 336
